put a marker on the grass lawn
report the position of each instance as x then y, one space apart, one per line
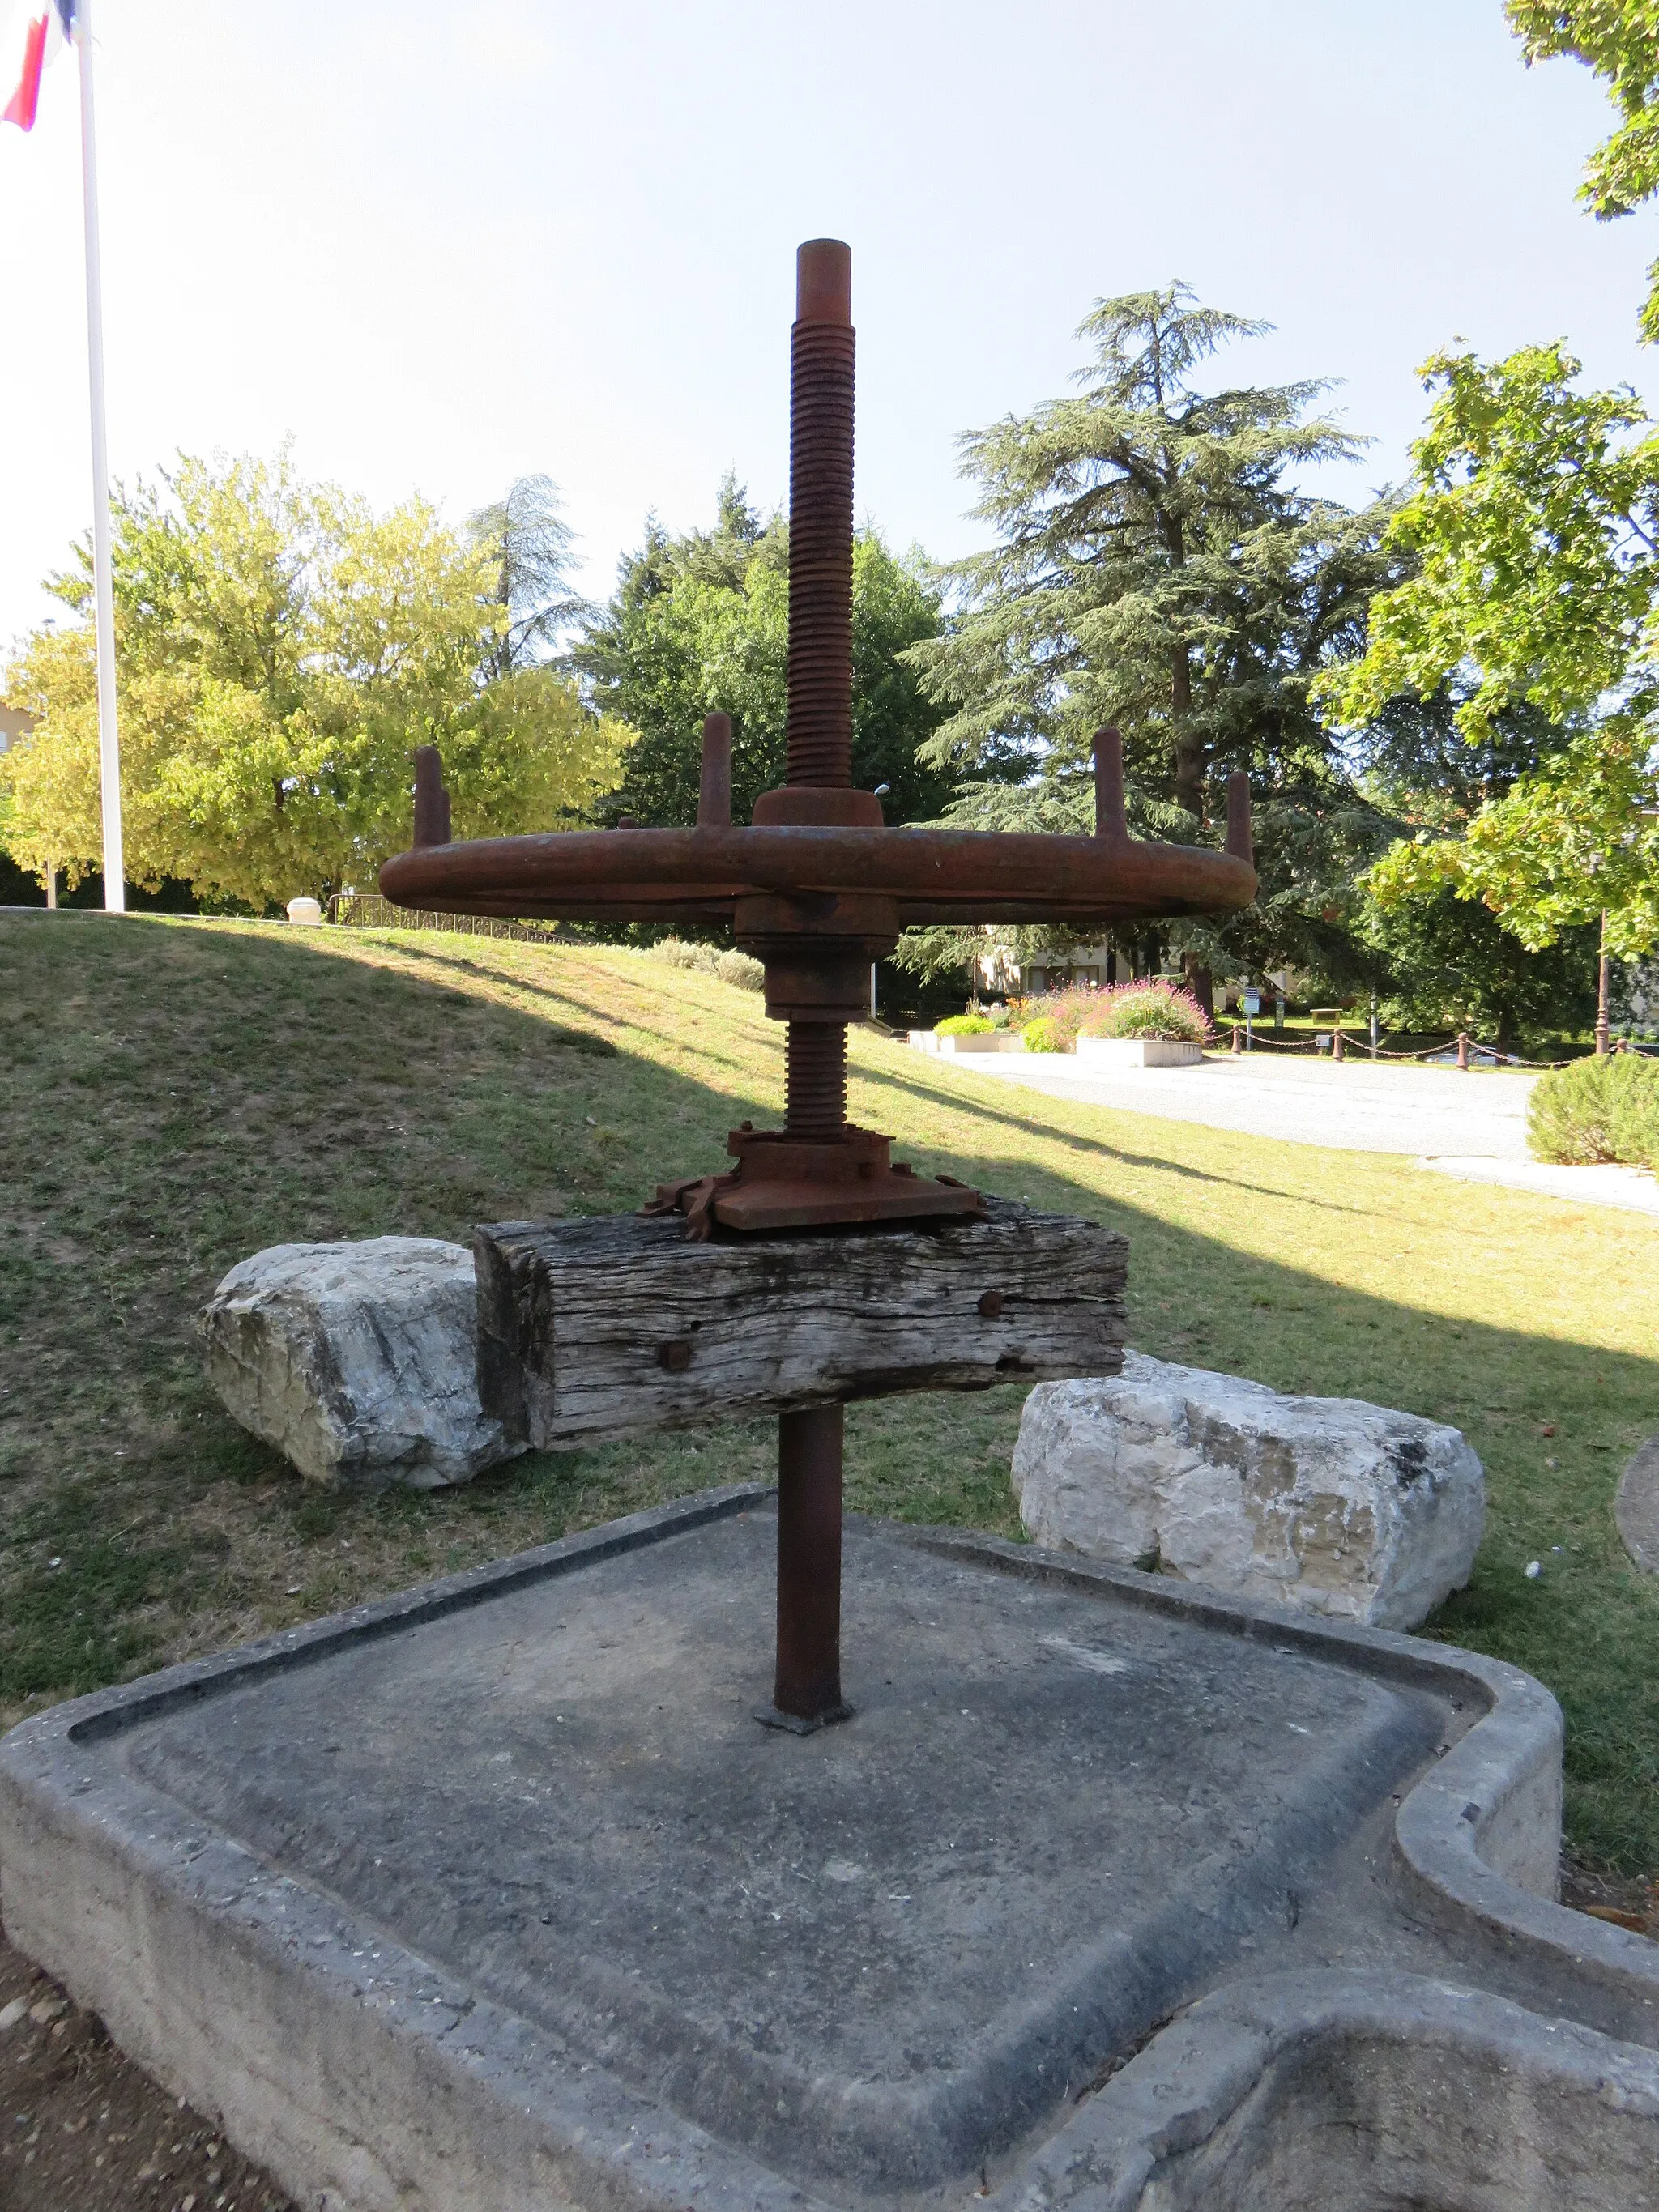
180 1092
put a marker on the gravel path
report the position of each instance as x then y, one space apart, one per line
1359 1106
1633 1189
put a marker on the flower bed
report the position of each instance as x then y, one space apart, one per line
1150 1011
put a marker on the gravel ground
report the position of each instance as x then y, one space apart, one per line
83 2130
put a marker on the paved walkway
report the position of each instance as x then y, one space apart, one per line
1633 1188
1362 1105
1470 1125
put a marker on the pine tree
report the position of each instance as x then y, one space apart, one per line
528 541
1156 570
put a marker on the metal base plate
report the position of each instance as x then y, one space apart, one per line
769 1717
784 1181
891 1197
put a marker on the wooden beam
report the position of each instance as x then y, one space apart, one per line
615 1326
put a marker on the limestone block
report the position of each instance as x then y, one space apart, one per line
358 1362
1329 1505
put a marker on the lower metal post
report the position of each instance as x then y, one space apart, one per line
807 1690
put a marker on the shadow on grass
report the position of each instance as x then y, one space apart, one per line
257 1088
924 1094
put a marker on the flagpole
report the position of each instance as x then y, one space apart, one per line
109 750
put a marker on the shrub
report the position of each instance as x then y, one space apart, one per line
1043 1034
678 954
963 1025
1597 1110
1146 1010
741 968
1064 1010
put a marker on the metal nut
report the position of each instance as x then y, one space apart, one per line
990 1304
675 1355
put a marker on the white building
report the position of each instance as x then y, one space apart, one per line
1000 976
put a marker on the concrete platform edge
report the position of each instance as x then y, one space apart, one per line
160 1924
1174 2125
1477 1838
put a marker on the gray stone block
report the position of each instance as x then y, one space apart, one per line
358 1362
1328 1506
1636 1506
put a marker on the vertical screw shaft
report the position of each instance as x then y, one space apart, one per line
821 395
820 728
820 751
815 1079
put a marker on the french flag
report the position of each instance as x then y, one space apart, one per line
42 38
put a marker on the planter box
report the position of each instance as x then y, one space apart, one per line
979 1040
1139 1052
984 1041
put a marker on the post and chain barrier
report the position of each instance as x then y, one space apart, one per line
1462 1040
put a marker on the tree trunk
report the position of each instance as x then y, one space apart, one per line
1188 749
1201 983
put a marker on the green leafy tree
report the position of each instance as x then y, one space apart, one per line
1618 39
1443 961
1444 964
280 651
1157 570
1532 540
700 623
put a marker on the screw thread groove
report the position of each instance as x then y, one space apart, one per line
821 391
815 1079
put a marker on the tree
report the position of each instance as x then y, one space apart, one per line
50 809
1618 39
528 543
280 649
700 623
1157 571
1535 567
1445 962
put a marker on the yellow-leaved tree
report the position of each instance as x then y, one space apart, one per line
281 650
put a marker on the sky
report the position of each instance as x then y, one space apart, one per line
440 246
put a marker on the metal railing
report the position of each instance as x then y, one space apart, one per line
369 910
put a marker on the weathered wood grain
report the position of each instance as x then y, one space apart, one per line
615 1326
